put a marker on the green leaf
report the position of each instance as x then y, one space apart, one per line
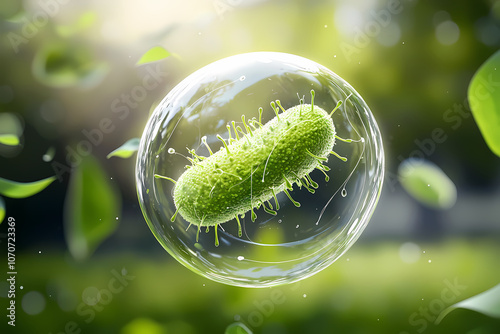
15 189
484 100
427 183
126 150
237 328
2 209
487 303
90 210
63 65
154 54
8 139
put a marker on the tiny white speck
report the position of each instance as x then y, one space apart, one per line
241 258
111 178
297 226
116 218
21 287
334 56
430 261
304 295
347 259
279 221
326 25
203 284
422 298
171 150
428 185
423 252
403 43
39 252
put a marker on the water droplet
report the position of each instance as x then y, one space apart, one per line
171 150
343 192
240 258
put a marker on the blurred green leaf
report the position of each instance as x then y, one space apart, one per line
65 65
487 303
2 209
15 189
143 326
85 21
9 139
91 208
427 183
237 328
126 150
154 54
484 100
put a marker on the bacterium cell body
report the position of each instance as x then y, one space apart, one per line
259 169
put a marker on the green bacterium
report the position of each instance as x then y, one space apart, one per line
255 164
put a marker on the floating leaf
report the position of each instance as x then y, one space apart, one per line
237 328
9 139
154 54
484 100
15 189
91 208
126 150
65 65
2 209
427 183
85 21
487 303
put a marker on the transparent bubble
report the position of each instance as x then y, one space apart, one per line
272 250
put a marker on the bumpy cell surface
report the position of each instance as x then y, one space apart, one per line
263 236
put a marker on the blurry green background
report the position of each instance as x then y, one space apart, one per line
65 66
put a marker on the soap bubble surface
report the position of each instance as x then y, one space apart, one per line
298 241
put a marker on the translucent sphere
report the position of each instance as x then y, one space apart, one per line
296 242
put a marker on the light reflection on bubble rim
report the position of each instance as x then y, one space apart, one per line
272 250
